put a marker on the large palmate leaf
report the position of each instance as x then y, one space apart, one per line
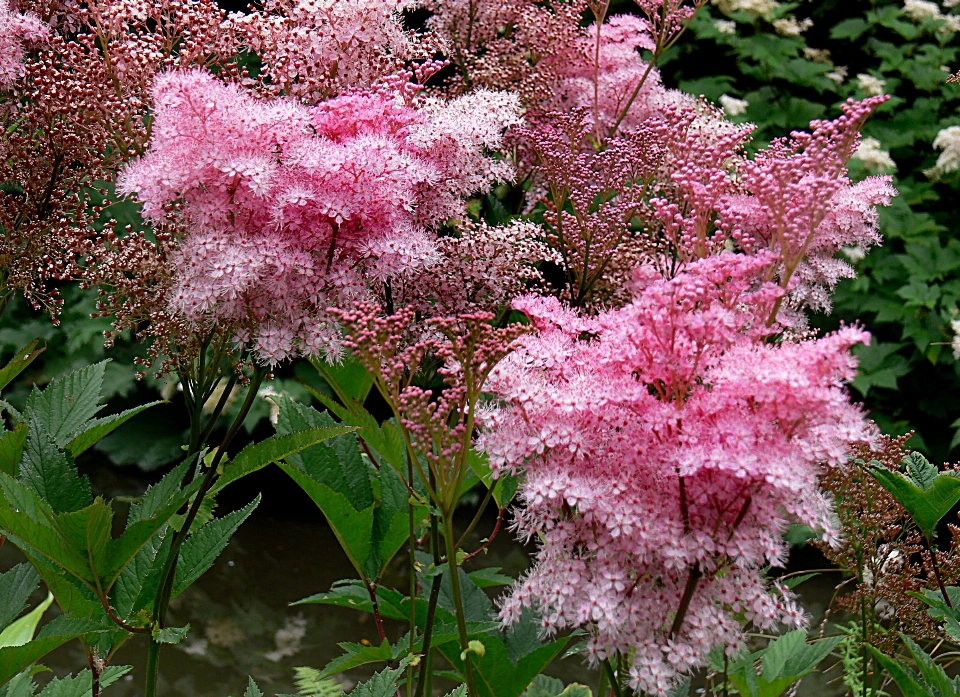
928 495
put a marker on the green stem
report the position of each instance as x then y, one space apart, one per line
614 682
170 564
454 570
425 677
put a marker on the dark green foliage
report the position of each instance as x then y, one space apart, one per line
908 290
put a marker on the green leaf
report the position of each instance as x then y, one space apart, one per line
357 655
158 495
354 595
11 448
98 428
67 403
309 683
81 685
348 378
16 586
138 583
382 684
920 470
544 686
779 651
202 548
910 683
51 473
19 363
21 631
170 635
87 531
14 659
258 455
489 577
252 689
932 673
925 505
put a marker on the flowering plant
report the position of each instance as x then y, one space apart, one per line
621 341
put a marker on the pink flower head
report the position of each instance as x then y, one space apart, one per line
291 209
666 445
16 29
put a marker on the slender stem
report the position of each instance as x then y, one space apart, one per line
448 536
412 563
372 590
612 677
426 662
496 529
476 518
692 580
726 672
94 673
170 564
936 572
602 686
865 657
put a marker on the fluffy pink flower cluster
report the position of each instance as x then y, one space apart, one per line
292 209
666 445
15 29
799 203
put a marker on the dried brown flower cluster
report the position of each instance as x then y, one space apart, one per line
884 554
80 110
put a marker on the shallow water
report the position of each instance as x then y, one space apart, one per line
241 621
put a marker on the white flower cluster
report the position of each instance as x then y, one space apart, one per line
732 106
873 156
873 86
947 140
791 26
919 10
757 8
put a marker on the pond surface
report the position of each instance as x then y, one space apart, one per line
241 621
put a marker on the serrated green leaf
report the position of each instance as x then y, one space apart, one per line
138 583
926 507
51 472
87 531
909 682
779 651
489 577
16 586
357 655
544 686
81 685
19 363
158 495
14 659
252 689
382 684
96 429
12 443
920 470
66 404
258 455
348 378
170 635
203 547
